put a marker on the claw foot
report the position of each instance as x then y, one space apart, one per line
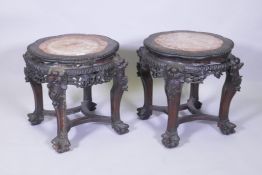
120 127
143 113
170 139
226 127
91 106
61 144
197 104
35 118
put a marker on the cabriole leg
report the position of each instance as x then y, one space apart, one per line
144 73
87 102
57 84
37 116
231 85
119 86
173 89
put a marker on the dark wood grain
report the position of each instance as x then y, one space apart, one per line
178 67
83 72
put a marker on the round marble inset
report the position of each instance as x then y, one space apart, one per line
188 41
73 45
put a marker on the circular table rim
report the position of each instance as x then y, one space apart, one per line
111 48
225 48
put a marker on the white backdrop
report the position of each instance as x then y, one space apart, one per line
96 149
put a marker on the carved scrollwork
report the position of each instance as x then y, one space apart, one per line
193 73
147 60
119 73
174 80
80 75
236 79
96 77
138 67
175 71
33 73
57 85
170 139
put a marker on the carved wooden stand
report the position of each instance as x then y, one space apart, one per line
179 69
82 71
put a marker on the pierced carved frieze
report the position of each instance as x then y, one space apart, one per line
80 75
192 73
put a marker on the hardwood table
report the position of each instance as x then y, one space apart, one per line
187 57
80 60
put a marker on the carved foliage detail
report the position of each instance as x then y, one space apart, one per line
79 75
173 81
146 61
119 73
236 79
192 73
57 85
96 77
33 73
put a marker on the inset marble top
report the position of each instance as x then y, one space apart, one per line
73 47
188 44
188 41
